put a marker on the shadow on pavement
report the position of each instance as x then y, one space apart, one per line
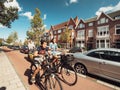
2 88
28 59
104 80
5 50
28 74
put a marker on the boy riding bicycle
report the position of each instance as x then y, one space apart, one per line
39 57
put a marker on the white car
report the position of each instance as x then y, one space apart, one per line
104 62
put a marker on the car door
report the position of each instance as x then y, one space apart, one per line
93 62
110 65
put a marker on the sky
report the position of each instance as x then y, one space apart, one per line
55 12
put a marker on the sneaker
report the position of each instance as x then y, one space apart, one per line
33 80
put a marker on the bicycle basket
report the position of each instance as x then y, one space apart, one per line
67 58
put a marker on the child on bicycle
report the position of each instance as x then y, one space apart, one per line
39 57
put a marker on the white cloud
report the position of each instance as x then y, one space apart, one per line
1 26
45 16
71 2
13 4
108 9
45 26
27 14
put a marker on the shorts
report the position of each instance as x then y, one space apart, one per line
38 60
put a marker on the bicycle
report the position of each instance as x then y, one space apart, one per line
48 80
64 68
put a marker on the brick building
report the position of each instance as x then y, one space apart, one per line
101 31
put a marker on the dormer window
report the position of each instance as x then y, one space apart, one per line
81 25
103 20
90 24
118 29
117 17
70 27
59 31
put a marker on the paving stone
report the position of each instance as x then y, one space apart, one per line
9 79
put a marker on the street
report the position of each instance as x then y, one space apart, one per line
21 66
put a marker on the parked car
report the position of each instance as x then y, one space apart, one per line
75 49
16 47
104 62
24 49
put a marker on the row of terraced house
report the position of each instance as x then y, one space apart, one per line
101 31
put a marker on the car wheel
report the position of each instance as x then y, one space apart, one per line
80 68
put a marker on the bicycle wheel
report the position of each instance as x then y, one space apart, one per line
40 82
68 74
52 83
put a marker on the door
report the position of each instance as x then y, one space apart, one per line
110 65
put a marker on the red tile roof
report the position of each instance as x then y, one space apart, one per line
64 24
59 26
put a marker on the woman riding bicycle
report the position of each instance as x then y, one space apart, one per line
54 49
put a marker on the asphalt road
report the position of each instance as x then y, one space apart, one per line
21 66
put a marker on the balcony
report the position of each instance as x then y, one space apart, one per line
103 36
80 38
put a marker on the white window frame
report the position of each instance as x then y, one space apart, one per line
103 20
90 33
106 43
90 24
103 31
70 27
116 29
81 34
117 17
81 25
59 31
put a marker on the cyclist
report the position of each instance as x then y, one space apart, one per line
39 56
54 49
31 46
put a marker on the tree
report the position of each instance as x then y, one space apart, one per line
65 36
30 34
12 38
9 39
36 27
7 15
1 41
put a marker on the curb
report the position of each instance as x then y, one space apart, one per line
26 87
7 71
101 82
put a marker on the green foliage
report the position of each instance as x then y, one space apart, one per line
0 42
7 15
36 27
12 37
65 36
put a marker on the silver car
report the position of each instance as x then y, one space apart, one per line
104 62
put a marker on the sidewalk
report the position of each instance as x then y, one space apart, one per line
9 79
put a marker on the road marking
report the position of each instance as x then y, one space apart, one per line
100 82
109 85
